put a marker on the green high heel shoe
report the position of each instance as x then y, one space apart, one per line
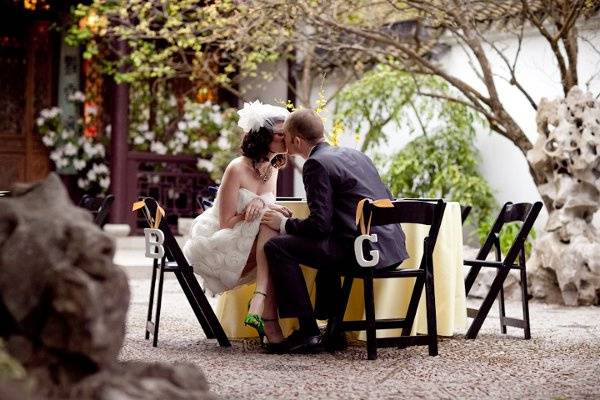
256 321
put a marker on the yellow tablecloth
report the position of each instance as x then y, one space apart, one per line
391 295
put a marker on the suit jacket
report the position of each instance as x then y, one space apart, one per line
336 179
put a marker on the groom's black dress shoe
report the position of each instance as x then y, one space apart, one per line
298 343
277 348
334 343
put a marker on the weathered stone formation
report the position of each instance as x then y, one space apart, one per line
566 261
63 304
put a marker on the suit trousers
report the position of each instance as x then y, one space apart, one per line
286 252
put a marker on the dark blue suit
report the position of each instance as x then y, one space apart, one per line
335 180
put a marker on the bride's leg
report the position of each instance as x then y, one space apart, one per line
265 305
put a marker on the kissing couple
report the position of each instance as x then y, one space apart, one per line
246 236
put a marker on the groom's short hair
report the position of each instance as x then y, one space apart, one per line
305 123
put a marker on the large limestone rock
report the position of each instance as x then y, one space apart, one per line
565 264
63 303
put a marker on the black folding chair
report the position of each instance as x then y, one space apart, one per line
526 213
207 198
464 213
412 212
168 257
98 206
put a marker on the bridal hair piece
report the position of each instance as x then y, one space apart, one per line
255 115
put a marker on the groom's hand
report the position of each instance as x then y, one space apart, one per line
272 219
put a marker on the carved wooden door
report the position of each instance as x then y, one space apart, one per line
26 86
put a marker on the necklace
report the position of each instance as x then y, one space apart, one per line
263 176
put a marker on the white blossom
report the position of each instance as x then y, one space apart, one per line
149 135
91 175
108 130
79 164
143 127
61 163
158 148
40 121
89 149
223 143
67 134
194 124
56 155
217 119
48 141
182 137
105 183
82 183
182 126
70 149
206 165
54 112
138 140
77 96
198 145
100 149
100 168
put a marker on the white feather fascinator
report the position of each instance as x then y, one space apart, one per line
254 115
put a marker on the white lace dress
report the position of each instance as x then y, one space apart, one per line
220 255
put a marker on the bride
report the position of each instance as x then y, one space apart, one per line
226 245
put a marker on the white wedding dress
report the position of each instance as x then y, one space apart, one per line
220 255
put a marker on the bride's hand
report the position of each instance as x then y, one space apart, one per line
253 209
286 212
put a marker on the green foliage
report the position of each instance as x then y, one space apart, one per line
208 43
508 233
442 162
373 102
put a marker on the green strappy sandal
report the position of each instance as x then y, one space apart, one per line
256 321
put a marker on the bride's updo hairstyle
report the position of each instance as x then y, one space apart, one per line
258 121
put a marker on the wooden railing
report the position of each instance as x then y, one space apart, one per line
174 181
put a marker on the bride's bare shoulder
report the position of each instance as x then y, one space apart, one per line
237 164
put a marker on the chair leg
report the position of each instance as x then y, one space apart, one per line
431 313
413 305
151 300
525 297
370 317
501 310
158 305
487 303
334 325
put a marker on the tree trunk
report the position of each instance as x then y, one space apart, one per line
565 265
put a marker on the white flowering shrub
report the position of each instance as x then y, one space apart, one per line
162 124
71 152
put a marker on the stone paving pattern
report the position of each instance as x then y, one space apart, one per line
561 361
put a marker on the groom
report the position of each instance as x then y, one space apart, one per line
335 180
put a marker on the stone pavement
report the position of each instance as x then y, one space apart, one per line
562 361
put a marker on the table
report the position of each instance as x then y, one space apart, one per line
391 295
